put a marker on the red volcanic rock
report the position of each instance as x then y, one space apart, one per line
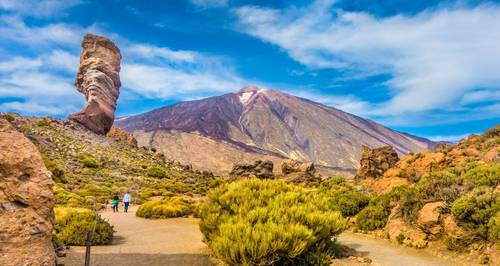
375 162
259 169
121 135
98 78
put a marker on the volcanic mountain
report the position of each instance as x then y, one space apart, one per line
253 123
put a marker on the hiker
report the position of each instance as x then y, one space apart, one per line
126 201
116 199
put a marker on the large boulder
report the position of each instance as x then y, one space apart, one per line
428 217
399 231
259 169
375 162
291 166
299 172
99 80
26 202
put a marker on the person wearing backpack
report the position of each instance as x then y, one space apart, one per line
115 201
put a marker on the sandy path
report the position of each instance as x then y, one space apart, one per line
139 241
383 252
178 241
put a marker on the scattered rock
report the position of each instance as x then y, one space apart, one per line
396 228
99 80
492 156
383 184
259 169
375 162
121 135
428 217
299 172
26 204
449 224
291 166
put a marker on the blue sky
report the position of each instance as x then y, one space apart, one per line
429 68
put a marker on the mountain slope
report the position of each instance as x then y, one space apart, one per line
90 167
256 121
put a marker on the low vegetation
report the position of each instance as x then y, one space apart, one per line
165 208
263 222
73 224
89 168
469 196
344 197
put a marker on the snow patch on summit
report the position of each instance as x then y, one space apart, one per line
245 97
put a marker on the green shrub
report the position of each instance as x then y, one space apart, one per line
372 218
64 197
432 186
350 203
375 215
72 225
166 208
88 161
459 240
55 167
42 123
438 186
484 175
264 222
494 228
475 209
343 196
400 238
157 172
492 132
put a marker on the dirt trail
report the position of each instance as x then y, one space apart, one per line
140 241
383 252
178 241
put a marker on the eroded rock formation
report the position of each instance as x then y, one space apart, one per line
98 78
259 169
292 166
123 136
375 162
26 202
299 172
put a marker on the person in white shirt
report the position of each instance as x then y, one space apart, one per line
126 201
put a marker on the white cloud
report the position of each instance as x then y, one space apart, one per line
19 63
43 84
63 60
436 57
41 92
347 103
481 96
38 8
451 138
209 3
165 81
149 51
14 29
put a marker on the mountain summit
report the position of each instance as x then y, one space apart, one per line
253 123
